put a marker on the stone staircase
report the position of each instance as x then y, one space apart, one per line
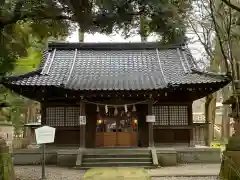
117 158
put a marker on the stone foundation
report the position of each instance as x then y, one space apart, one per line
166 156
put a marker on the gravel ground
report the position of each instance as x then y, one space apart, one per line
52 173
58 173
186 178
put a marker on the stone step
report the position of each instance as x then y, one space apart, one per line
107 151
135 166
118 159
122 155
116 164
118 150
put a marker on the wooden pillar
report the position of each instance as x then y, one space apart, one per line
82 126
190 121
150 125
43 114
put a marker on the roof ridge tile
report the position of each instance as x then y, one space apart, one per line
111 45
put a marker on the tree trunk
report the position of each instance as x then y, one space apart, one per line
6 164
142 30
81 33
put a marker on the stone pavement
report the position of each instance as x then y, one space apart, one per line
117 174
186 178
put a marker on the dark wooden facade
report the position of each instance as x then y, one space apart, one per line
74 79
173 125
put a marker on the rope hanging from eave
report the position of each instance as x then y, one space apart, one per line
114 105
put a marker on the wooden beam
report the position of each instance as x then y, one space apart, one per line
174 127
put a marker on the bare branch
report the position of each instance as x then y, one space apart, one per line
228 3
203 42
211 3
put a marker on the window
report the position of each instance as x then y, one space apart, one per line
171 115
72 116
161 115
62 116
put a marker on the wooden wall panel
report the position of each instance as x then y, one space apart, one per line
171 136
124 139
67 137
127 139
99 141
134 139
110 139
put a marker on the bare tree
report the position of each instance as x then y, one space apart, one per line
201 24
216 25
226 19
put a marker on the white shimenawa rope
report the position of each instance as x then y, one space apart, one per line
114 105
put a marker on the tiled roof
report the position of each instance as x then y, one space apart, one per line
116 66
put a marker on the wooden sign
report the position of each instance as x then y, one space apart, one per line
45 134
82 120
150 118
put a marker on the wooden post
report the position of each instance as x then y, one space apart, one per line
190 122
43 113
82 126
150 125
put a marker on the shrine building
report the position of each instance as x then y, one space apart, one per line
100 95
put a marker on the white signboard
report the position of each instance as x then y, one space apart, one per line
82 120
45 135
150 118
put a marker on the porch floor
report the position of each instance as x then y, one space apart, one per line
165 147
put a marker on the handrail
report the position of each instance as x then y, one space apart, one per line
231 165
